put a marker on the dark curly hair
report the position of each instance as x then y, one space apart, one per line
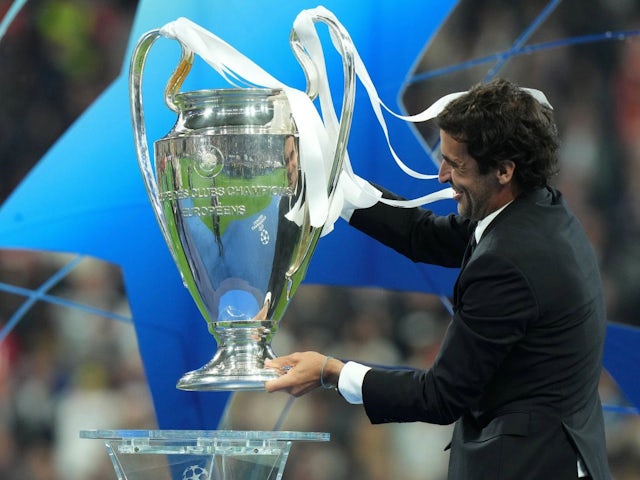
499 121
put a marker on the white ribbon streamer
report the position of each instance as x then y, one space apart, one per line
232 64
317 138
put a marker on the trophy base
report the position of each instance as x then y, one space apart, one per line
237 365
204 379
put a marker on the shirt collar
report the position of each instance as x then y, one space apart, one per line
484 223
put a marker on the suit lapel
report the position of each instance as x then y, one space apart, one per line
542 195
465 259
471 246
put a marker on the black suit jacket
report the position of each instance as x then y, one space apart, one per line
519 366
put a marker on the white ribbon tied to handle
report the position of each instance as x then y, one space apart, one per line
317 138
236 69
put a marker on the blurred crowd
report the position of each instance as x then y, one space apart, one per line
65 369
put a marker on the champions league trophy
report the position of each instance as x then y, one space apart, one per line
232 202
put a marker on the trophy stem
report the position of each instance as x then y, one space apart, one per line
238 363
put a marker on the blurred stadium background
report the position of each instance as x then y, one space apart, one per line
63 369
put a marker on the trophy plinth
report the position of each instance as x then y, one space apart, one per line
199 454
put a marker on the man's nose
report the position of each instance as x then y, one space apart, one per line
444 173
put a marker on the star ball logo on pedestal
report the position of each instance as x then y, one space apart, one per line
195 472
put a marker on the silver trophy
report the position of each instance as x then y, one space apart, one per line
225 177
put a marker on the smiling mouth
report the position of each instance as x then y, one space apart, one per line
457 194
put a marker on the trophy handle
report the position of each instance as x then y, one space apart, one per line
310 235
138 60
308 65
179 74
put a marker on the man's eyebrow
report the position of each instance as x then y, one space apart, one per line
447 159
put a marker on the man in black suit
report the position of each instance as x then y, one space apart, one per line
519 366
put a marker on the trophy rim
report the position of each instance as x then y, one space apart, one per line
213 93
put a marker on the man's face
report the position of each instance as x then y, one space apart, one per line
476 194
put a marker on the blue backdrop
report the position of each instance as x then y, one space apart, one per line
86 195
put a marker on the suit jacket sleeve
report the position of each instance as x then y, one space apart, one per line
492 314
416 233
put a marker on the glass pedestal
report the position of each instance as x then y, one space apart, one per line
199 454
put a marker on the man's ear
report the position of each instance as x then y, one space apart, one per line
505 172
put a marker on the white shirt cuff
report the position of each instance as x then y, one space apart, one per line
350 382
